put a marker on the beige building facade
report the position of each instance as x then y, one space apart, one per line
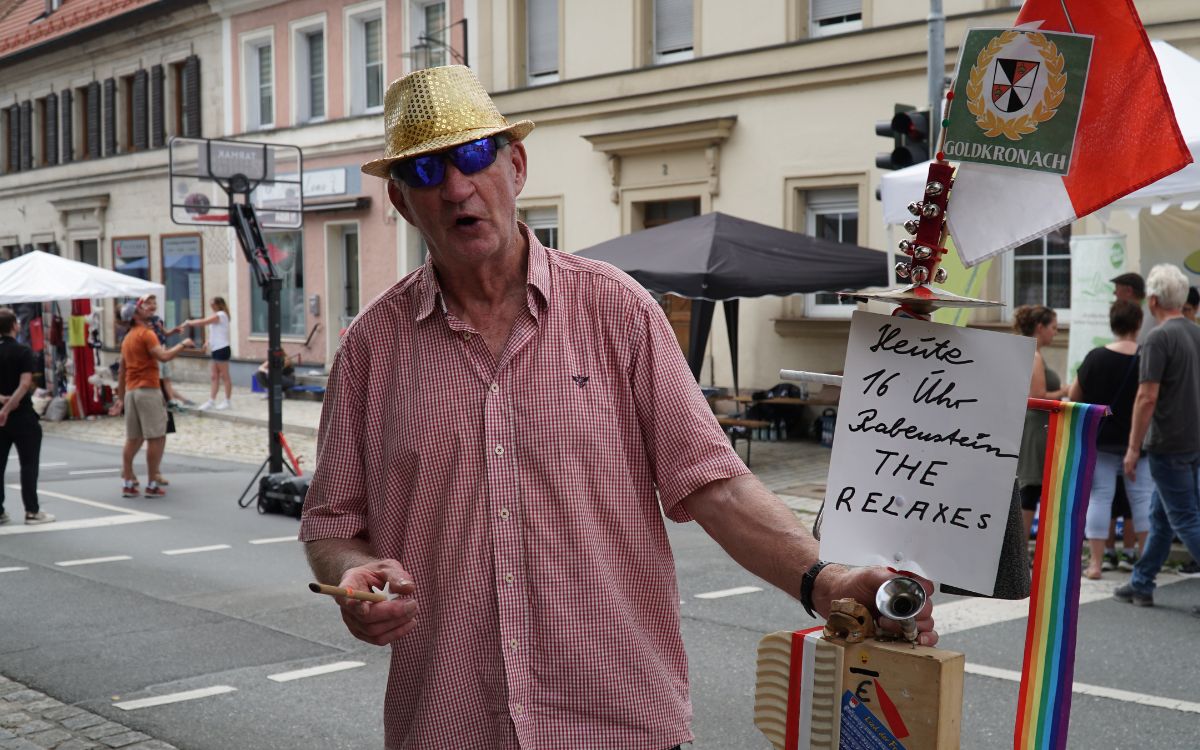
647 111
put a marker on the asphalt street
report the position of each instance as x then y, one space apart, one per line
125 600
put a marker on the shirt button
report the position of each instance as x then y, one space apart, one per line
494 388
466 336
504 513
509 578
518 709
499 450
513 644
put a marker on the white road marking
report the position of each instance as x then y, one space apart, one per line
190 550
125 516
337 666
92 561
1124 696
48 465
274 540
729 592
12 570
161 700
975 612
93 471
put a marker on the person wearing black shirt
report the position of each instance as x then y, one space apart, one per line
18 421
1109 376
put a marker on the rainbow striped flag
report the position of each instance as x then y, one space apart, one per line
1044 703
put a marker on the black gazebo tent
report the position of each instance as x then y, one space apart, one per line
720 257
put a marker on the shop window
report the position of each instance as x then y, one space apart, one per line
541 41
672 30
287 252
1041 273
832 215
829 17
184 284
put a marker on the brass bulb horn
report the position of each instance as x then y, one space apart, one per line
902 599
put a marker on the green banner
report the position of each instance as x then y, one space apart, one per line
1017 98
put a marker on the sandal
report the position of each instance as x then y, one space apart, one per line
160 479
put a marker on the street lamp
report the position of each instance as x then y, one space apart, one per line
427 42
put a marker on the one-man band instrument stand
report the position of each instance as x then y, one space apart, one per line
842 686
263 186
845 686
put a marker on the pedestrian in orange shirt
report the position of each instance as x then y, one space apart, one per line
139 393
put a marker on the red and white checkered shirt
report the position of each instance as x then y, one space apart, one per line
520 496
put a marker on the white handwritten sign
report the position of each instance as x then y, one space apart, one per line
925 449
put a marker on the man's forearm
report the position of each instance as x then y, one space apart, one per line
756 529
1143 410
14 400
169 354
331 558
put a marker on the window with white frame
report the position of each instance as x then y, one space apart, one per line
309 64
541 41
365 54
430 43
1041 273
831 215
259 82
544 224
827 17
672 30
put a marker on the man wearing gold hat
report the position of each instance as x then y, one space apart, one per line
503 432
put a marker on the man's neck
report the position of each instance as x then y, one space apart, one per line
1162 315
488 286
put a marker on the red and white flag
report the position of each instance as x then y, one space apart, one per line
1127 136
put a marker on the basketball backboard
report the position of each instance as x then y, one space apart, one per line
207 173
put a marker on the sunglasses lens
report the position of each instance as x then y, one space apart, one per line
423 171
474 156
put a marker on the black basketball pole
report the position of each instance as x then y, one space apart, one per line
245 223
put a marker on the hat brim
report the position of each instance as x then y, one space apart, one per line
383 167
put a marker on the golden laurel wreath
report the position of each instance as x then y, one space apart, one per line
1056 87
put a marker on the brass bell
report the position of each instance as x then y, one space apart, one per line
934 188
931 210
914 208
920 252
920 275
910 226
906 247
940 276
902 270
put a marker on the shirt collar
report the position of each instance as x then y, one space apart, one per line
429 290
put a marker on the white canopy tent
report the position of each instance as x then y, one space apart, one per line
41 277
1180 73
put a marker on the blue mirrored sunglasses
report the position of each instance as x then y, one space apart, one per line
429 170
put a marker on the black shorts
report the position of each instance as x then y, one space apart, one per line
222 354
1120 506
1030 496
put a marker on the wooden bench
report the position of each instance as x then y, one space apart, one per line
737 427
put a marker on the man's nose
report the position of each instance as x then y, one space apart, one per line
456 186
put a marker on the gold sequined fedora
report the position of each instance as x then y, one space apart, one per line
434 109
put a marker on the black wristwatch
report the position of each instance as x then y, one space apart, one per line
806 586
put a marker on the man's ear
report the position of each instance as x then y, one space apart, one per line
396 196
520 161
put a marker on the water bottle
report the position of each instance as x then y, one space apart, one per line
1120 533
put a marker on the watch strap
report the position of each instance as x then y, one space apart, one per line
806 586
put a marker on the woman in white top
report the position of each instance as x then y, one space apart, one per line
218 347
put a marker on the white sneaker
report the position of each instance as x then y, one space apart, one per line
39 517
207 405
222 405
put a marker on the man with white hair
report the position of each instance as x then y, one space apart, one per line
1164 425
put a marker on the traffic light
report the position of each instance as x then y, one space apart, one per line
909 131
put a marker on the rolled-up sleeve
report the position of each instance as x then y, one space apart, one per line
686 447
